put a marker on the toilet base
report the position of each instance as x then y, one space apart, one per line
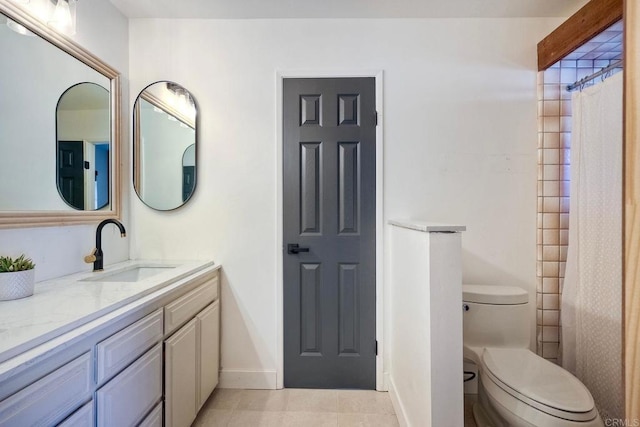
498 415
480 416
524 416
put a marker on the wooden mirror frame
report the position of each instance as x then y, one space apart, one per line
25 219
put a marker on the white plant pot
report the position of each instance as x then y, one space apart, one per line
18 284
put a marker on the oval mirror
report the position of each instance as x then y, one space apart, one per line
165 161
83 133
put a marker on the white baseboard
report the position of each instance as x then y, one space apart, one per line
384 384
258 380
397 403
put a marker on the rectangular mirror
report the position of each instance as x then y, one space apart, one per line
59 127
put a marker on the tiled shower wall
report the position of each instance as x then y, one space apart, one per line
554 160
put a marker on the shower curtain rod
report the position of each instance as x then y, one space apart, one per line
580 83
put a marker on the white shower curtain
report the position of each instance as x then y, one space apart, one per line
591 311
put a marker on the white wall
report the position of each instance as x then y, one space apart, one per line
58 251
425 349
459 144
84 125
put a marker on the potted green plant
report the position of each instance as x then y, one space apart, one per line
17 277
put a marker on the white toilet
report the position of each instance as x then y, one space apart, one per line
517 387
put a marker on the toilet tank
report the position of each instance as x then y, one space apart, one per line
495 316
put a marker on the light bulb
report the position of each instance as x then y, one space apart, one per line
64 17
183 102
18 28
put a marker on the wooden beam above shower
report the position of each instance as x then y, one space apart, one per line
595 17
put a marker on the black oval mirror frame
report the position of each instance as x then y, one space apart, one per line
165 127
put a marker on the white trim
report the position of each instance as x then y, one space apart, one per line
381 384
380 377
255 380
397 404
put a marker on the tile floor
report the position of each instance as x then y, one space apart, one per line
297 408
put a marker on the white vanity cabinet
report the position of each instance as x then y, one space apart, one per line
110 371
191 353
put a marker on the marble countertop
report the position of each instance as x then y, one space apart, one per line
60 305
427 227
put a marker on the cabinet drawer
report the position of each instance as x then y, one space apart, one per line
119 350
83 417
187 306
50 399
154 419
132 393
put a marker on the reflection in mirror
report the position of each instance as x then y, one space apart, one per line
165 163
83 135
35 72
188 172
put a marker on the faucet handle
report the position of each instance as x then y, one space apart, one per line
91 257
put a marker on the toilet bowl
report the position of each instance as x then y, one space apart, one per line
517 387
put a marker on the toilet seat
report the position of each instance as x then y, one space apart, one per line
538 383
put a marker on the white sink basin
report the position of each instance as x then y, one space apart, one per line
132 274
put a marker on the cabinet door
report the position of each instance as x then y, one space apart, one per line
154 419
208 350
127 398
180 376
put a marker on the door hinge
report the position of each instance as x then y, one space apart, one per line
376 118
376 347
87 165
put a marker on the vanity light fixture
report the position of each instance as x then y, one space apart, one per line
64 16
13 25
58 14
182 95
20 29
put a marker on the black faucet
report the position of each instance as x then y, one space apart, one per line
97 257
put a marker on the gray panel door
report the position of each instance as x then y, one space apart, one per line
329 209
71 172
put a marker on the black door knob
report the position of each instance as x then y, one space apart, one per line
294 249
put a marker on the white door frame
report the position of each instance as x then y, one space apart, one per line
89 147
280 76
